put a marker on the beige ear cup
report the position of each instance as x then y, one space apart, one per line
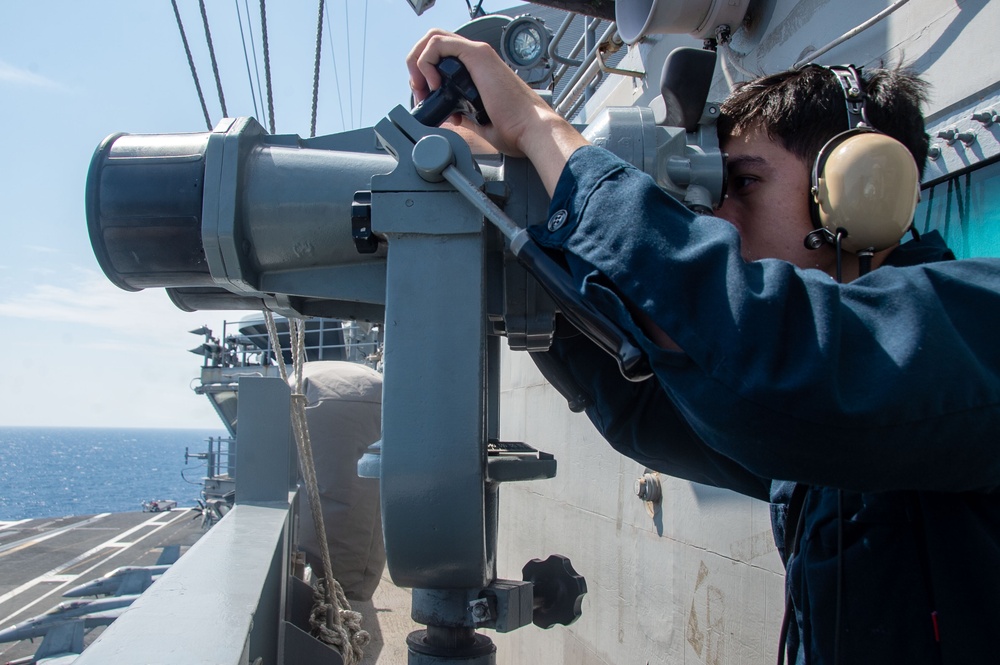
867 184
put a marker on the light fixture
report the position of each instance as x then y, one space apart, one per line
524 42
524 46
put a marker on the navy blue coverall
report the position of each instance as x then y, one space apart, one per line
879 398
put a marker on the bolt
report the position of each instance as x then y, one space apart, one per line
480 610
647 488
952 134
968 138
933 153
987 117
949 135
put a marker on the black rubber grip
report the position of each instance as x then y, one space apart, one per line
457 94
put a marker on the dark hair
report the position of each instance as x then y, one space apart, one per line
804 108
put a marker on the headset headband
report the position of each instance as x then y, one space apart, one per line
854 96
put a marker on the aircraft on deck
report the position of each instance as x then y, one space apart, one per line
128 580
92 613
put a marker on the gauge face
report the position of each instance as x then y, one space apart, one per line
526 45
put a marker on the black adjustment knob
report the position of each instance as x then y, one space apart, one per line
457 94
558 590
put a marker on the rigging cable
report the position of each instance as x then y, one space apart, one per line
319 52
267 65
350 84
246 58
211 52
336 76
253 49
194 72
364 51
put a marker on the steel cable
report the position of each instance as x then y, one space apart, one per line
253 49
319 52
267 65
211 53
364 51
194 72
336 76
246 58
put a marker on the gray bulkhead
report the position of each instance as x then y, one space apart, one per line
698 579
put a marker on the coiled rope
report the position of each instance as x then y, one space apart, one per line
332 619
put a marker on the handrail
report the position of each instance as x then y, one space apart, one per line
223 598
557 38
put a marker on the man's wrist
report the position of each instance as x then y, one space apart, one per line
549 143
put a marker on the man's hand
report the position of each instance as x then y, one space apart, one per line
523 125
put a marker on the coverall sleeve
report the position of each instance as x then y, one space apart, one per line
640 422
888 382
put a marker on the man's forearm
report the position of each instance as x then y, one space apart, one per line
548 141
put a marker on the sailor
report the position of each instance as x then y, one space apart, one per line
865 408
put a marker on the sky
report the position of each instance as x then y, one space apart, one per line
77 351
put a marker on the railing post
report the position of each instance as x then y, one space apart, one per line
267 457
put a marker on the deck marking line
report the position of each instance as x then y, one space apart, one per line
7 525
31 540
58 570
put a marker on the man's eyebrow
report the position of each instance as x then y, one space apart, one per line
747 160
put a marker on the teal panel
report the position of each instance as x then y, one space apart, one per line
966 210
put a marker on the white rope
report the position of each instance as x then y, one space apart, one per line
332 620
272 336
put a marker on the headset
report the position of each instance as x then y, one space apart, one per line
865 185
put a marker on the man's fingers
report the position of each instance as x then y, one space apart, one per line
424 77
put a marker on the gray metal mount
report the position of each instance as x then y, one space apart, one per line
240 218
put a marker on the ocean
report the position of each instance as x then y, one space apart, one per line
53 472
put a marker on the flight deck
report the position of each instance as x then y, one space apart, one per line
40 559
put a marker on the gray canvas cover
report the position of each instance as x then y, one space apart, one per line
344 414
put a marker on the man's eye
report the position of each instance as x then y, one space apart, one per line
741 182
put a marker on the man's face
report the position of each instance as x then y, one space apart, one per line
767 200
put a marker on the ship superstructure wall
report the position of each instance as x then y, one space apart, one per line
698 580
695 579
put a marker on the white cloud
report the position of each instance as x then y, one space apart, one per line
112 357
101 318
94 302
11 74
